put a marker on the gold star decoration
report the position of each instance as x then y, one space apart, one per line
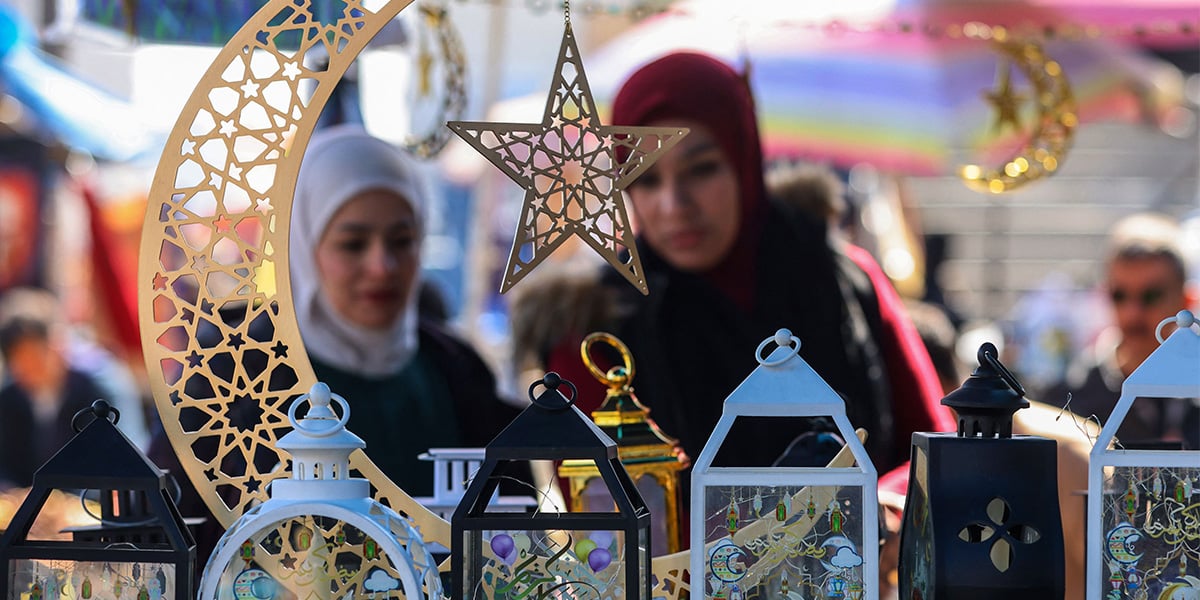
1005 100
573 169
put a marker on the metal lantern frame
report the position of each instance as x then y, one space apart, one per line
101 458
320 488
1172 371
784 385
551 428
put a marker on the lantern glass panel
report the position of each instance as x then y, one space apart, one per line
1151 521
41 579
596 498
788 538
644 553
310 557
559 564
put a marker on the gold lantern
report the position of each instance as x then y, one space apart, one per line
650 456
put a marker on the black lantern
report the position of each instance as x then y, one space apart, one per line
142 549
506 556
982 518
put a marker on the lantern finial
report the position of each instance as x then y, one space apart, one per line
1184 319
987 400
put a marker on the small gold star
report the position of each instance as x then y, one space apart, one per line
1005 100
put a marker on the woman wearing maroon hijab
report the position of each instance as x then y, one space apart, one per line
726 268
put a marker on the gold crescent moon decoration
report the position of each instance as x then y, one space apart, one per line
221 341
1055 122
222 346
452 58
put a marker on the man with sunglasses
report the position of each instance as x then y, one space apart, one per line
1145 277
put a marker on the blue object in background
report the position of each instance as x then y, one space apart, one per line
65 108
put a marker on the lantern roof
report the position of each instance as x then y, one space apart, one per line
99 457
321 429
987 400
621 415
551 428
1173 369
784 385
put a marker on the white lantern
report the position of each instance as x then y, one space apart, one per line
770 532
320 535
1143 513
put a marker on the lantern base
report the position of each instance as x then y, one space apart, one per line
982 520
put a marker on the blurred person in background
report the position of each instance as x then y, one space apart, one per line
40 395
1145 279
355 267
727 266
78 353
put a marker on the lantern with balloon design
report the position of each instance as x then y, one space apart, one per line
506 556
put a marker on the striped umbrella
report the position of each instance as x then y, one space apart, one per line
908 96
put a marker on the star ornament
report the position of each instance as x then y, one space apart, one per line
1005 100
573 170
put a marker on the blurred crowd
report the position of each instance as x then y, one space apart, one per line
732 250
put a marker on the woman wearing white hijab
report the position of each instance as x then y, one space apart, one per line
355 248
357 225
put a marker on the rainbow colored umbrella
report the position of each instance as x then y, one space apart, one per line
905 98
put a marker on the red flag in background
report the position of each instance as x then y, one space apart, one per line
114 274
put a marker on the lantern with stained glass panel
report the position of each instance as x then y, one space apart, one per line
769 532
581 555
651 457
320 535
1144 505
142 548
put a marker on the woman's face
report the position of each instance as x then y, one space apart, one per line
687 204
368 258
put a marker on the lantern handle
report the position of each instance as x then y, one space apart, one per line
99 408
988 354
319 396
552 380
782 338
612 378
1184 319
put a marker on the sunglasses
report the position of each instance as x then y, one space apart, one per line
1145 298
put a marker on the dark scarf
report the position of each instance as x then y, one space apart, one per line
694 344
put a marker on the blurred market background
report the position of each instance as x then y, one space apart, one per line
890 93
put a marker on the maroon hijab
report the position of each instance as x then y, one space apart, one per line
700 88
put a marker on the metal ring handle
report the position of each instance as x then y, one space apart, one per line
1184 319
99 408
781 338
552 381
988 354
585 349
341 424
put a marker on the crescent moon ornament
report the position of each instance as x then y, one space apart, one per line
1120 544
222 346
451 59
1055 121
724 562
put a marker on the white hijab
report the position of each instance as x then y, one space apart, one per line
339 163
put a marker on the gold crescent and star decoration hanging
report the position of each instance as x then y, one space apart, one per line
573 169
445 53
1054 122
